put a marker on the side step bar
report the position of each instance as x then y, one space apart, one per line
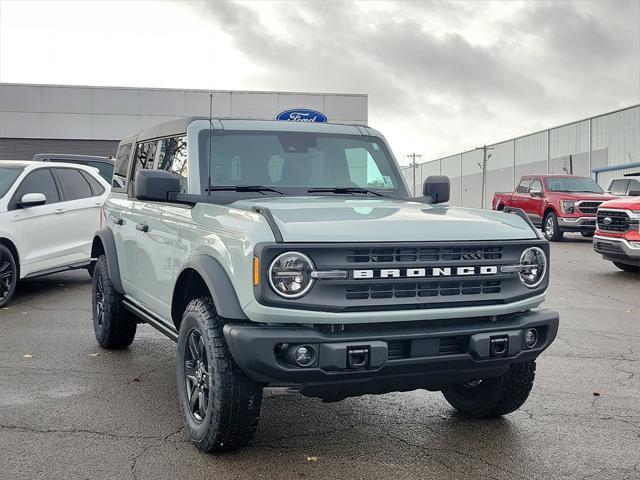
155 322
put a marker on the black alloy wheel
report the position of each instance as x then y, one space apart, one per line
197 380
99 301
8 275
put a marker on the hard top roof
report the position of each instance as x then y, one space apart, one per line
179 126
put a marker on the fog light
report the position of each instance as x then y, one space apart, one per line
530 338
304 355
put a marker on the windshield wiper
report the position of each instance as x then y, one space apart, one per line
242 188
344 190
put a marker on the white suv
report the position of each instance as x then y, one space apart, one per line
49 213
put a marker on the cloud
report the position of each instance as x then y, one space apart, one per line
457 73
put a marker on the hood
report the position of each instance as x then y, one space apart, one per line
603 197
629 203
339 219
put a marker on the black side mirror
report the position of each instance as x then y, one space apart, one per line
634 193
437 188
155 185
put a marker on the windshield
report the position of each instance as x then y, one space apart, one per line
572 184
8 175
296 163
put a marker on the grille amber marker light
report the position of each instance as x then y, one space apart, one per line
256 271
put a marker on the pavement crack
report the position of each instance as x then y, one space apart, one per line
80 431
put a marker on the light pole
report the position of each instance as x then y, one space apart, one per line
414 165
485 158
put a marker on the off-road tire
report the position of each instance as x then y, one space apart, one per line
232 400
115 327
8 275
550 227
495 396
588 234
627 268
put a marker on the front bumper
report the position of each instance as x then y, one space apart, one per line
577 224
617 249
431 355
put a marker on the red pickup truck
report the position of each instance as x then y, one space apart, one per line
617 238
557 203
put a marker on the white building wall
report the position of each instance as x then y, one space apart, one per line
105 113
578 147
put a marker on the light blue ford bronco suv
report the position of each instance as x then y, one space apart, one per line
290 256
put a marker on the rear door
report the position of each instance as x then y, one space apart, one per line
120 220
42 241
521 195
79 210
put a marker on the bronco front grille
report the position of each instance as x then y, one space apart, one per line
422 275
588 207
423 254
426 289
613 220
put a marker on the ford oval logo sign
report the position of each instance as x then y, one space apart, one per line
302 115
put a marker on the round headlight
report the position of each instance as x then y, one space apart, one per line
290 274
534 266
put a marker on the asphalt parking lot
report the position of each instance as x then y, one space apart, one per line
69 409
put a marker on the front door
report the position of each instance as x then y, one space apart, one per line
43 238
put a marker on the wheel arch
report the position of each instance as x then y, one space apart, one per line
203 275
14 251
104 244
548 209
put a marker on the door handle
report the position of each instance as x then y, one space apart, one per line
117 221
143 227
60 211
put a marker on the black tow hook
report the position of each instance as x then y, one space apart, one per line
499 346
357 357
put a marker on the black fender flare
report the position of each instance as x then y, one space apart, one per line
105 237
222 291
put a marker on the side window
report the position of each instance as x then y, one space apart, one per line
524 186
619 187
143 159
38 181
105 169
96 188
122 165
173 158
634 186
74 186
536 185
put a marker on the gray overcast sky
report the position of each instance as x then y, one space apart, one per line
441 76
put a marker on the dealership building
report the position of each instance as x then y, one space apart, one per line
604 147
92 120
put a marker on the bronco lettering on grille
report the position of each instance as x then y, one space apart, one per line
425 272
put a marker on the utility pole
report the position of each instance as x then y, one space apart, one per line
485 158
414 165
